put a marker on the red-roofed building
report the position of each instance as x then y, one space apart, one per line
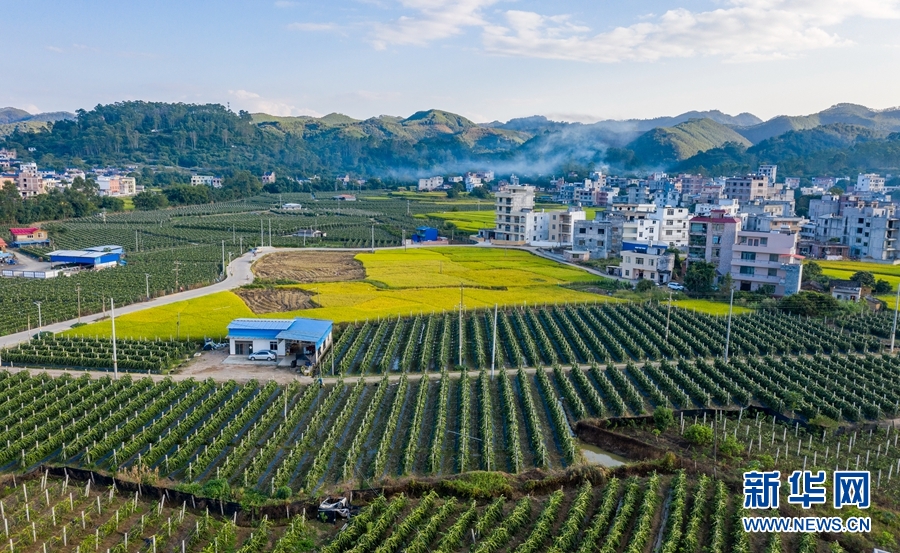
29 236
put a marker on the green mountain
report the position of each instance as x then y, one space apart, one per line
848 114
666 145
214 138
835 149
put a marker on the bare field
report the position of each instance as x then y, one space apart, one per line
275 300
309 267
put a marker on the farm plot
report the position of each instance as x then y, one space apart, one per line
274 300
674 513
312 266
145 356
578 334
52 514
284 440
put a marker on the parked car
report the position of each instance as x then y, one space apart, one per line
675 286
263 355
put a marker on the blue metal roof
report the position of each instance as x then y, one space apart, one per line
307 330
299 329
260 324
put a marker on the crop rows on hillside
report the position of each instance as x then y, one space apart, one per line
578 334
281 440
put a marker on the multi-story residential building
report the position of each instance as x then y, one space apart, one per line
7 155
561 224
747 188
766 259
769 171
430 183
602 236
869 182
728 206
269 178
637 226
710 239
472 182
634 194
515 219
672 225
206 180
792 183
872 231
692 185
29 182
647 262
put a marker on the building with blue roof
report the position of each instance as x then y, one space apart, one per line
305 339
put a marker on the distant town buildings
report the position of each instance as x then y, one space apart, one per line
430 183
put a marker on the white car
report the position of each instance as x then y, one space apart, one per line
675 286
262 355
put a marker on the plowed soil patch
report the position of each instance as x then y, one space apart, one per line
311 266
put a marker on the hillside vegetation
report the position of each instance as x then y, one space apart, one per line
666 145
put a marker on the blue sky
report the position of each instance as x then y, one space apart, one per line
485 59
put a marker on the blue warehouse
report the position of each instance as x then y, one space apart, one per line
97 257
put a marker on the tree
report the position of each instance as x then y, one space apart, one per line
699 434
242 184
726 283
809 303
663 418
643 286
699 277
148 201
883 287
864 278
480 192
185 194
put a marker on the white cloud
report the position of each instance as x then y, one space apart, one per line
312 26
254 103
436 20
56 49
744 30
740 30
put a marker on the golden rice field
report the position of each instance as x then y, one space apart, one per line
845 269
398 283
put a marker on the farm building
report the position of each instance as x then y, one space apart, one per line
303 338
425 234
29 236
97 257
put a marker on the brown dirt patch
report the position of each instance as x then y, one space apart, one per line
311 266
275 300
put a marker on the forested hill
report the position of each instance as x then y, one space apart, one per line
836 149
212 139
210 136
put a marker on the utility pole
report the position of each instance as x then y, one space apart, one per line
460 322
135 240
270 233
373 238
242 245
233 234
896 310
728 332
112 313
40 320
403 238
668 315
261 241
407 207
78 292
223 258
494 347
177 263
147 285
